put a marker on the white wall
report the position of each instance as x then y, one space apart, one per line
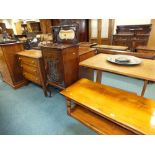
130 22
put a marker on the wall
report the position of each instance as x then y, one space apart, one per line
130 22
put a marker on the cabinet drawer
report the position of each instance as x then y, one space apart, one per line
30 69
32 77
29 61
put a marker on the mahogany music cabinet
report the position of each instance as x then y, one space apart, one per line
60 65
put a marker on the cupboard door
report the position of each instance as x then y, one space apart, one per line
53 65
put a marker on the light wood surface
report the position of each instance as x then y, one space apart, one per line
145 70
31 53
98 123
128 110
111 47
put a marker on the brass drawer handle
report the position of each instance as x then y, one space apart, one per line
34 70
32 62
37 79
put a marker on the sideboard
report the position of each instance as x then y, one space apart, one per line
132 35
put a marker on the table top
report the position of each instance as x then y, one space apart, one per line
111 47
133 112
31 53
145 70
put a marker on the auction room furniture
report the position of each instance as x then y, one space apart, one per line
109 110
30 62
131 35
9 68
60 64
144 71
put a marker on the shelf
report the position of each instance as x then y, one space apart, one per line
98 123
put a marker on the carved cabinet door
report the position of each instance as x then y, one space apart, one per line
53 66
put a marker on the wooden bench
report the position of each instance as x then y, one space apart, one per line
109 110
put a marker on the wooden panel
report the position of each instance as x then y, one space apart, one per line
70 62
4 69
98 123
45 25
99 29
132 35
128 110
147 67
28 61
138 29
13 70
53 64
30 69
32 77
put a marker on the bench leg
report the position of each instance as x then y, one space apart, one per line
98 76
68 107
144 87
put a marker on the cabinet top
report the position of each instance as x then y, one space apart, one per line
11 43
59 46
31 53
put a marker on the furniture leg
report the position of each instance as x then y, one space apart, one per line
1 76
68 107
144 87
98 76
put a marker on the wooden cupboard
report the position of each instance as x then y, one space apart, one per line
60 64
132 35
9 68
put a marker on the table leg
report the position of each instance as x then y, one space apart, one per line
144 87
98 76
68 103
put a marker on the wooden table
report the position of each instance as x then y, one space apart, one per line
109 110
112 47
144 71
